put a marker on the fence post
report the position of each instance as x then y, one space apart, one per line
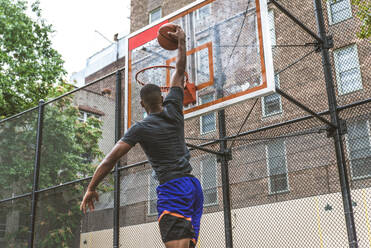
220 80
225 181
337 134
35 185
116 204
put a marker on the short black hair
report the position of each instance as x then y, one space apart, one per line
150 94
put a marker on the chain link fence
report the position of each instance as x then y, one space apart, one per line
284 173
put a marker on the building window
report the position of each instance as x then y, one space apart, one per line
203 70
272 30
338 10
203 12
2 224
277 169
152 195
359 149
85 115
207 121
155 14
209 180
348 73
272 104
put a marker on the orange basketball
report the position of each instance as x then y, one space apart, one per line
164 39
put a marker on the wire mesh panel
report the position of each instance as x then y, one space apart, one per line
78 131
15 222
138 213
96 226
58 217
17 154
357 150
285 189
60 222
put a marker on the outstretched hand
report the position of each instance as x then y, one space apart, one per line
178 34
88 200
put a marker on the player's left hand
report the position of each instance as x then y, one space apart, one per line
88 200
178 34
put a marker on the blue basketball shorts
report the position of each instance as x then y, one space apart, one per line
180 205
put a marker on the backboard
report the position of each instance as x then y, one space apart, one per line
229 55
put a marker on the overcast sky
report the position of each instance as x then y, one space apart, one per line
75 22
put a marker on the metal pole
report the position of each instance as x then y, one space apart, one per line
116 208
225 182
339 147
223 146
35 185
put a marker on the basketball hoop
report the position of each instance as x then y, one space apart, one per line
189 88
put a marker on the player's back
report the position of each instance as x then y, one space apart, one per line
161 135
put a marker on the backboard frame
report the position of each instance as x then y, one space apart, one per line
149 32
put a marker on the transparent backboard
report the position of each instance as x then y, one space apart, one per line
229 55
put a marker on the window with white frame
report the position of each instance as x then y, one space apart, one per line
203 12
277 168
155 14
359 148
2 224
152 195
209 179
338 10
207 121
348 73
203 70
271 25
272 104
84 116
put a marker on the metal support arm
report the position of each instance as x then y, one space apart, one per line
297 21
205 149
305 108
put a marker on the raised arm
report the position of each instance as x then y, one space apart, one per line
178 77
105 167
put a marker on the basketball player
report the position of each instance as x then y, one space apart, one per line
161 136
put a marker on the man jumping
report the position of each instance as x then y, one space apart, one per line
161 136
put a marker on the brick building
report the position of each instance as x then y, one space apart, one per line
271 179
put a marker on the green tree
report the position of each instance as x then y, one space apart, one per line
30 70
29 67
65 141
364 15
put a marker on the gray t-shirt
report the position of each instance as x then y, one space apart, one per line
161 136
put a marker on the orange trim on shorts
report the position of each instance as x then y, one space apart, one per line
173 214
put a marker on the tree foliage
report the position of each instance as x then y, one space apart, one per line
29 67
364 15
30 70
65 141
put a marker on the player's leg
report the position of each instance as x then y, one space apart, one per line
198 209
182 243
175 230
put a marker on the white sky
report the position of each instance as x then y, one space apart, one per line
75 22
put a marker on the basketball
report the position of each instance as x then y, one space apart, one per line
164 39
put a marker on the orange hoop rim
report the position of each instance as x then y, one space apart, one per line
163 88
